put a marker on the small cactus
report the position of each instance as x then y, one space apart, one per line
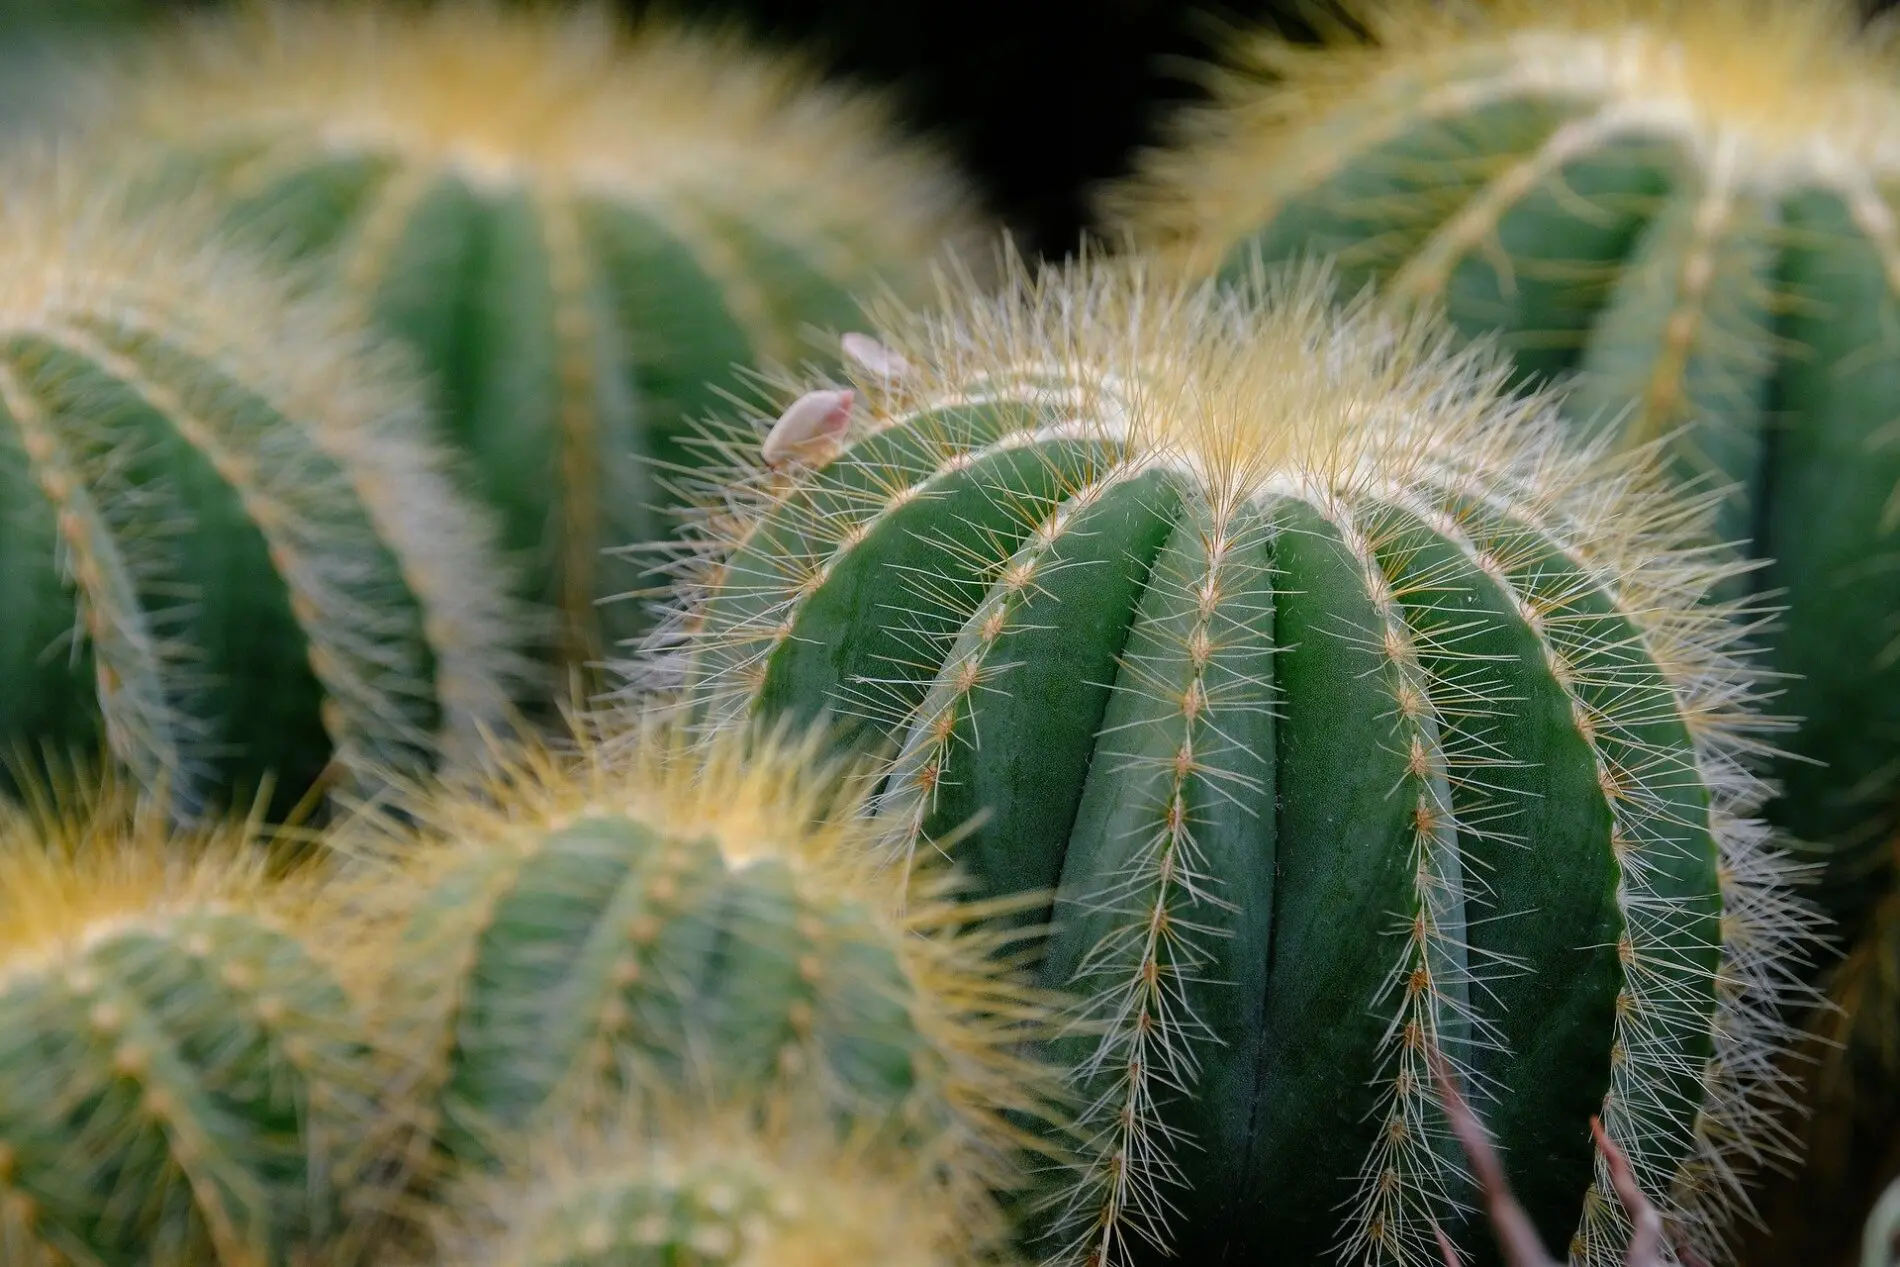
1348 712
185 1073
712 1190
229 551
698 916
1690 206
583 230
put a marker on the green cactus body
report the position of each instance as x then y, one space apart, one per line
585 234
228 549
1688 203
711 1190
1347 714
693 918
184 1077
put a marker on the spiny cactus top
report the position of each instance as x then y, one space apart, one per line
583 230
1348 712
184 1070
1695 203
710 1189
228 546
707 916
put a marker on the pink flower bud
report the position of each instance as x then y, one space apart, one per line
809 428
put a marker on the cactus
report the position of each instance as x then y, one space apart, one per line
583 230
228 548
707 1190
691 916
1347 711
185 1073
1688 207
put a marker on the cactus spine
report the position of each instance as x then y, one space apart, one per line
185 1073
710 1191
1689 202
699 916
1348 713
227 546
583 230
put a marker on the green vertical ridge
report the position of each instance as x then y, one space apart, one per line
1378 208
256 1102
543 982
308 211
46 661
248 682
1833 539
1718 391
865 644
1565 240
1670 890
1344 880
1046 683
1542 912
769 565
1217 885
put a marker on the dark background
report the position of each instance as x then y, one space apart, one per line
1041 100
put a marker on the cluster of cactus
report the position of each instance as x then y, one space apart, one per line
1182 722
204 1059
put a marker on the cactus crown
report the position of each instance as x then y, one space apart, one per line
1253 404
1774 93
506 97
317 430
715 1185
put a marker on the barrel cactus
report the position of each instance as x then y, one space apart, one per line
696 915
1686 205
186 1072
1347 712
229 550
711 1190
584 230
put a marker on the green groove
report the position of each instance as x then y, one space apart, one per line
613 951
1375 211
1833 539
156 1107
45 660
1214 877
1535 834
915 577
1636 378
1047 679
1566 242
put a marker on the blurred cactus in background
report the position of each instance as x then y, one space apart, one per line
584 230
703 916
186 1070
664 1188
1690 204
230 551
